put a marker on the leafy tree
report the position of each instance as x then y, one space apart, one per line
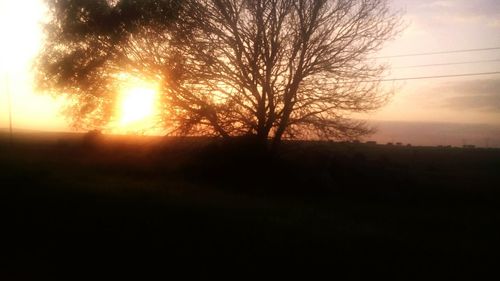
269 68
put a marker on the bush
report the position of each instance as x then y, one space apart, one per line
92 138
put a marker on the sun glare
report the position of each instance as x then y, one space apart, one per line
137 108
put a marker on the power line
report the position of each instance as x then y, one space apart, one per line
437 76
420 77
443 64
439 53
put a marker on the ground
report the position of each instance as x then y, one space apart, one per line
196 206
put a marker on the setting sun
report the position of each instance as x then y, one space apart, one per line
137 108
137 104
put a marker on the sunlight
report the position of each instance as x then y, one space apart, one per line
137 106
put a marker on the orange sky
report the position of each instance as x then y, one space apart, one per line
432 26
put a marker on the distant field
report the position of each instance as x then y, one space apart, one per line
434 134
414 133
199 206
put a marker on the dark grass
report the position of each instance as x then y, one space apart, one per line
201 207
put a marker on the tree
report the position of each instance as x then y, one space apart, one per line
270 68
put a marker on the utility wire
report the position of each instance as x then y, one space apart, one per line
419 77
449 63
438 53
440 76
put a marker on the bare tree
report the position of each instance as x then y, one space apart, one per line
270 68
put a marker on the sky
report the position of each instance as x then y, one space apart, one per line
445 25
431 26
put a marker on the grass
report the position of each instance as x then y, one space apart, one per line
201 207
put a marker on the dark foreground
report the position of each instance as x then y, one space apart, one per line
195 207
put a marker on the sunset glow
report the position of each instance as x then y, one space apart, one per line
137 106
431 26
249 137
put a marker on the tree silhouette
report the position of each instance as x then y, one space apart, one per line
269 68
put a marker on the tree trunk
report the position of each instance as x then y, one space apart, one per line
281 129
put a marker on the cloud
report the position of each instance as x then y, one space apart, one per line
485 12
479 95
439 4
463 7
494 22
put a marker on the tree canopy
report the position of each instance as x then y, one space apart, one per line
270 68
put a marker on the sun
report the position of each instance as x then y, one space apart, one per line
137 108
137 104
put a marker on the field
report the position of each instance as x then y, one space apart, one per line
199 207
